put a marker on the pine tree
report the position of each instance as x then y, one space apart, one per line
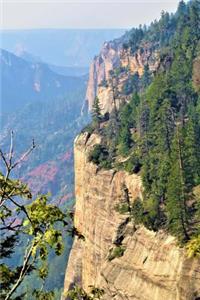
177 194
124 140
136 82
190 156
96 113
112 132
146 77
194 14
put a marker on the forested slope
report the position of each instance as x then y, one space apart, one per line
157 126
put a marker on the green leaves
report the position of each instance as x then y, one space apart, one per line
99 155
40 224
78 293
193 247
115 252
7 245
13 188
43 271
43 295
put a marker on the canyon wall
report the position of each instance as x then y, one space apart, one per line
152 266
127 261
106 78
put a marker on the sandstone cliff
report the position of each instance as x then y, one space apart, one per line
152 266
127 261
112 59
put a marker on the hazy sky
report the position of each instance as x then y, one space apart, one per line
81 14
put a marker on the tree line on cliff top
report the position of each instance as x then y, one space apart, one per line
158 135
158 130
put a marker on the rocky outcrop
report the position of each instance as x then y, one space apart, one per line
114 58
152 266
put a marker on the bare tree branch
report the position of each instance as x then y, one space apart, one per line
4 159
9 227
21 159
23 272
9 166
22 207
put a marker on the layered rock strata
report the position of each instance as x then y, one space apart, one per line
114 58
152 266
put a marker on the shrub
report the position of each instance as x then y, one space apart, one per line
88 128
77 293
100 156
106 164
96 154
103 83
125 46
122 208
133 165
193 247
138 211
118 251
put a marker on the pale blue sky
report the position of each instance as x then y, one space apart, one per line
81 14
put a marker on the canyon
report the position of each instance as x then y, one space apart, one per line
126 260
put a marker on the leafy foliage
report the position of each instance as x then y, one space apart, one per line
193 247
100 156
117 251
78 293
28 220
122 208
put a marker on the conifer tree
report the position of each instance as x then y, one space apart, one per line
124 141
96 112
146 77
190 156
177 193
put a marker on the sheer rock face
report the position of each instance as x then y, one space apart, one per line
112 57
153 267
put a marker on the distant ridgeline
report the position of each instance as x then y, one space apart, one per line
41 104
156 133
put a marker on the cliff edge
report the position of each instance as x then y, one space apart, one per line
144 93
151 267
